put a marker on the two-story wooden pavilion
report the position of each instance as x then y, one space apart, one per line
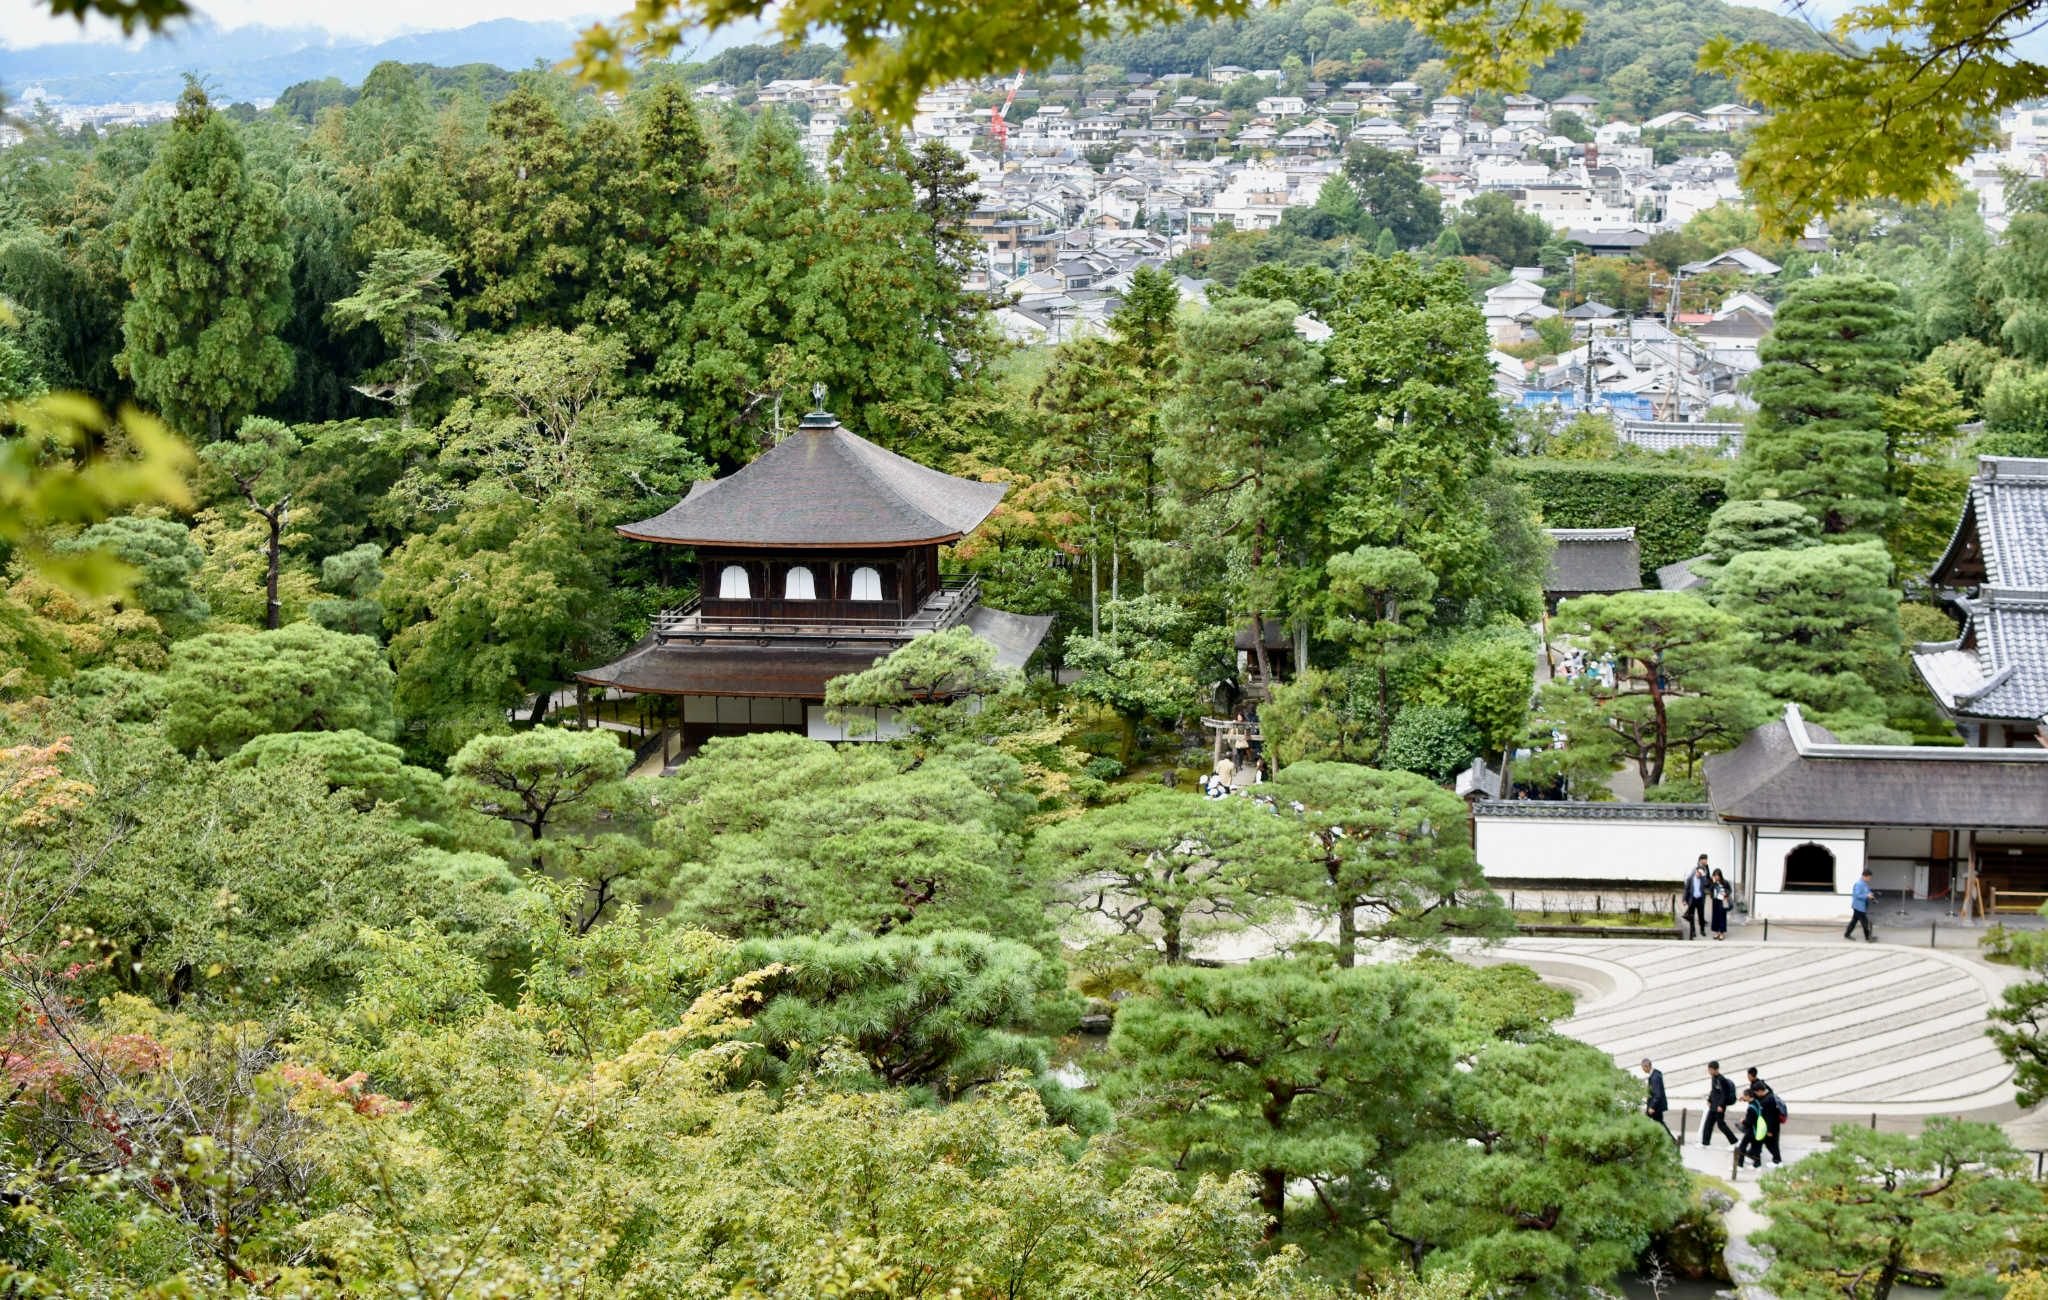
813 561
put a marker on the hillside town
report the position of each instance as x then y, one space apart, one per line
1083 185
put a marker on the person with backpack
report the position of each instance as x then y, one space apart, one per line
1720 1096
1760 1128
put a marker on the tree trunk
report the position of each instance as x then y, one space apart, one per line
541 701
1259 655
1663 725
1094 576
273 608
1347 936
1273 1199
1170 936
1386 723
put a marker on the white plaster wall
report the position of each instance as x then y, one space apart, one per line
1774 842
819 727
1544 848
1886 846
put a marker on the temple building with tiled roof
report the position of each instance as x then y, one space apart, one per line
1992 679
813 561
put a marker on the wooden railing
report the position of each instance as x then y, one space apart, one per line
946 607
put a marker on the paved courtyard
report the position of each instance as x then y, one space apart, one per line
1841 1029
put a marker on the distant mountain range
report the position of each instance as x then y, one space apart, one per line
256 63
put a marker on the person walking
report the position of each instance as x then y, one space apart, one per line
1720 895
1720 1096
1859 908
1696 889
1760 1127
1655 1104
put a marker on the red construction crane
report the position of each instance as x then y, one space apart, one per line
997 126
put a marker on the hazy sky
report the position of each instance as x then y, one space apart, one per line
24 23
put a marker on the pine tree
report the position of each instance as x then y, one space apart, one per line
1838 350
210 268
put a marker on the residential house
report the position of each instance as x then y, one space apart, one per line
1585 106
1732 117
1282 106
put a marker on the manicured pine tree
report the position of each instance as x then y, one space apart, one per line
1838 350
210 270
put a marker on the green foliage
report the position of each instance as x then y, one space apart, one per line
1739 527
1416 432
1390 858
1825 626
2020 1021
224 689
165 560
1561 1181
1291 1070
240 886
929 683
1490 225
1434 740
1153 659
1837 350
1389 189
530 778
207 258
1485 674
1320 715
1176 865
1905 91
947 1013
1669 508
1871 1210
1243 451
775 836
894 60
369 771
1683 685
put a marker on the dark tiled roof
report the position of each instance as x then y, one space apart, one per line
2005 518
734 668
1998 668
1589 560
1793 774
1572 810
790 666
824 486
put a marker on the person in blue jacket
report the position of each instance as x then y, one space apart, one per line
1859 909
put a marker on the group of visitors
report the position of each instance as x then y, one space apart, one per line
1705 889
1574 664
1762 1122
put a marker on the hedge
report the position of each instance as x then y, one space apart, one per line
1669 507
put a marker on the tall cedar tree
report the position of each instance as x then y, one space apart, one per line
1243 450
210 270
525 217
1417 430
1839 349
750 344
654 271
885 285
